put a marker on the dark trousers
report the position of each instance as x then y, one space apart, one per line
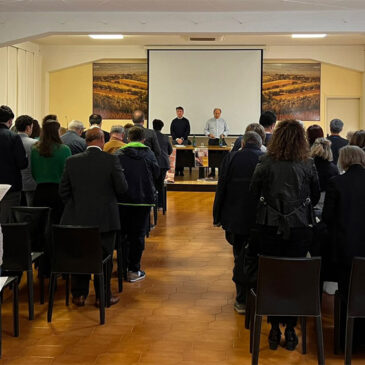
80 283
46 195
273 244
159 186
134 223
11 199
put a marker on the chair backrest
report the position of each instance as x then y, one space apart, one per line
76 249
16 246
288 286
38 219
356 300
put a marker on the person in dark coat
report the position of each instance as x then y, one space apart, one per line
72 138
141 170
163 159
285 183
12 159
336 126
95 120
91 185
234 207
253 127
313 132
268 121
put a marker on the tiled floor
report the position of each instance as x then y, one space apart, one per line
181 314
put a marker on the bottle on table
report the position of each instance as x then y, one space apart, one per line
220 141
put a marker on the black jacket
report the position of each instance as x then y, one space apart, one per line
151 140
325 170
74 141
180 128
237 144
91 185
337 143
286 191
141 169
12 158
344 213
166 150
234 206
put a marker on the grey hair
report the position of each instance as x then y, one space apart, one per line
117 129
351 155
252 137
76 125
336 125
322 148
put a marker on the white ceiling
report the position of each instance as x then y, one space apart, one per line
179 6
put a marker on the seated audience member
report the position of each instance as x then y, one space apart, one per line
343 212
95 120
24 126
127 127
140 169
91 185
268 121
253 127
116 139
36 131
358 139
234 207
72 138
48 157
12 159
163 159
285 185
313 132
336 126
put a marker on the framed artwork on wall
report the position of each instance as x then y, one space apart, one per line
119 89
292 90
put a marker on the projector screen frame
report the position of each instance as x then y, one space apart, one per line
201 49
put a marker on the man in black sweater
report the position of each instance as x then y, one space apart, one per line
336 126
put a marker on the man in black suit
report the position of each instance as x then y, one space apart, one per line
91 185
96 120
336 126
150 135
268 121
12 159
234 206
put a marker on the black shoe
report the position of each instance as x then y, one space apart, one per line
274 338
291 339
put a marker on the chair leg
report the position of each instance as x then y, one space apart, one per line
52 288
303 325
252 319
337 322
164 200
155 214
16 308
320 347
349 338
41 286
256 339
248 310
30 294
120 267
102 298
1 331
67 279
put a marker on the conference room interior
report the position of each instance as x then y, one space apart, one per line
182 313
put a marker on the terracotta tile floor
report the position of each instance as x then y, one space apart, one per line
181 314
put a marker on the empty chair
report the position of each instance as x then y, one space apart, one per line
287 287
77 250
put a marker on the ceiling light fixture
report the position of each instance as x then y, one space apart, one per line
309 35
106 36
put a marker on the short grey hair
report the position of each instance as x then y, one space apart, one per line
336 125
351 155
322 148
252 137
76 125
117 129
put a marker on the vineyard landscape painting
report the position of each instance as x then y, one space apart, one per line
292 90
119 89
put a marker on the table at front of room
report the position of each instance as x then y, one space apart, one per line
185 156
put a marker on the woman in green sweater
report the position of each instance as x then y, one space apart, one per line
48 159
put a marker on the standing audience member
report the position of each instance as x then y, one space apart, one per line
343 212
349 135
268 121
313 132
234 206
163 159
95 120
285 183
36 130
336 126
116 139
358 139
48 159
140 169
127 127
12 159
49 117
24 126
72 138
91 185
253 127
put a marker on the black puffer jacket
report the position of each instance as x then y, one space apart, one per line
286 191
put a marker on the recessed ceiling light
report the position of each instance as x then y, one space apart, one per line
309 35
106 36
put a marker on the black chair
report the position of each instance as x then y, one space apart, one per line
287 287
12 282
77 250
355 303
18 257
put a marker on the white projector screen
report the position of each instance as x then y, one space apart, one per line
201 80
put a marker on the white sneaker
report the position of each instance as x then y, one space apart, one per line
134 276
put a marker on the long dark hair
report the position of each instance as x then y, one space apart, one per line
288 142
49 138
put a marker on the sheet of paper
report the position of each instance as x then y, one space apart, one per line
3 190
2 281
